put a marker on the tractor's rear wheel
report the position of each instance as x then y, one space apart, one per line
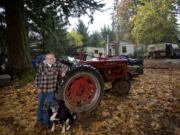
121 86
82 89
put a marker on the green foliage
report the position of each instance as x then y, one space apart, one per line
99 39
49 27
81 36
154 22
96 39
125 10
83 30
76 39
67 8
148 21
55 38
107 31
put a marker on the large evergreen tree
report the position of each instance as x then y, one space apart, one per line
107 31
83 30
96 39
17 40
51 31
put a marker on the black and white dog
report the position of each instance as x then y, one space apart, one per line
60 116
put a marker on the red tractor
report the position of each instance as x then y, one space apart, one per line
83 86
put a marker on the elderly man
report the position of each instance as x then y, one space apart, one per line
45 83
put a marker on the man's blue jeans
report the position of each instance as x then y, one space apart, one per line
44 97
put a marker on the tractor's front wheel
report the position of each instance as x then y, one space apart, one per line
83 89
121 86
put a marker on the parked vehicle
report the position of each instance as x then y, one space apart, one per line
4 80
163 50
134 71
135 66
37 60
132 61
4 65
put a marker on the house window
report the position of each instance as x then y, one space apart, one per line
96 51
124 50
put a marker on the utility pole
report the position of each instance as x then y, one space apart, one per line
116 26
107 46
114 20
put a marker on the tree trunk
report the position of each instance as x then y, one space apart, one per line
17 45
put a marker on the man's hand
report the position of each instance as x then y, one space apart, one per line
3 66
63 74
38 90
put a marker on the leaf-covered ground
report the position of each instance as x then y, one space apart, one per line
151 108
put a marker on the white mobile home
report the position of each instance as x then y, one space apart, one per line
126 48
92 52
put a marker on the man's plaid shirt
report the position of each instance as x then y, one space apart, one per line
46 77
